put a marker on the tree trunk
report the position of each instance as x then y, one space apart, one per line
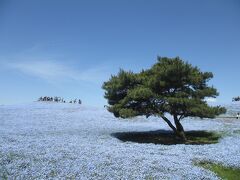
169 124
180 131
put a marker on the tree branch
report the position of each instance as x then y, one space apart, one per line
181 117
177 123
169 123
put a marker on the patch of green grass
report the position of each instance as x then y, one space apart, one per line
149 178
223 172
202 137
3 173
169 138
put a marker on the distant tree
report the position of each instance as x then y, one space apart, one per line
171 86
236 98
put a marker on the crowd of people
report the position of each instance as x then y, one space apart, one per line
59 99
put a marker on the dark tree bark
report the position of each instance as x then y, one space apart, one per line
169 123
180 131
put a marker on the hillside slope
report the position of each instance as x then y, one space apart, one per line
47 140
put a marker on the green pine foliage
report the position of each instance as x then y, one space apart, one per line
169 86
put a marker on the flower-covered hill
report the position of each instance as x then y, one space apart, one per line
50 140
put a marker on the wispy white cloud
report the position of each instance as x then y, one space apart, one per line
57 71
211 100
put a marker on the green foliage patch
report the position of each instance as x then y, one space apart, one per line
223 172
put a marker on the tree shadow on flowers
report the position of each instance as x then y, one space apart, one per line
168 137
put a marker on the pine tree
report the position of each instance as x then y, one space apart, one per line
171 86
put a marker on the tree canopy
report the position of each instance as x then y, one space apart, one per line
170 86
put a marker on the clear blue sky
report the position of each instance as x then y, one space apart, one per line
69 47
